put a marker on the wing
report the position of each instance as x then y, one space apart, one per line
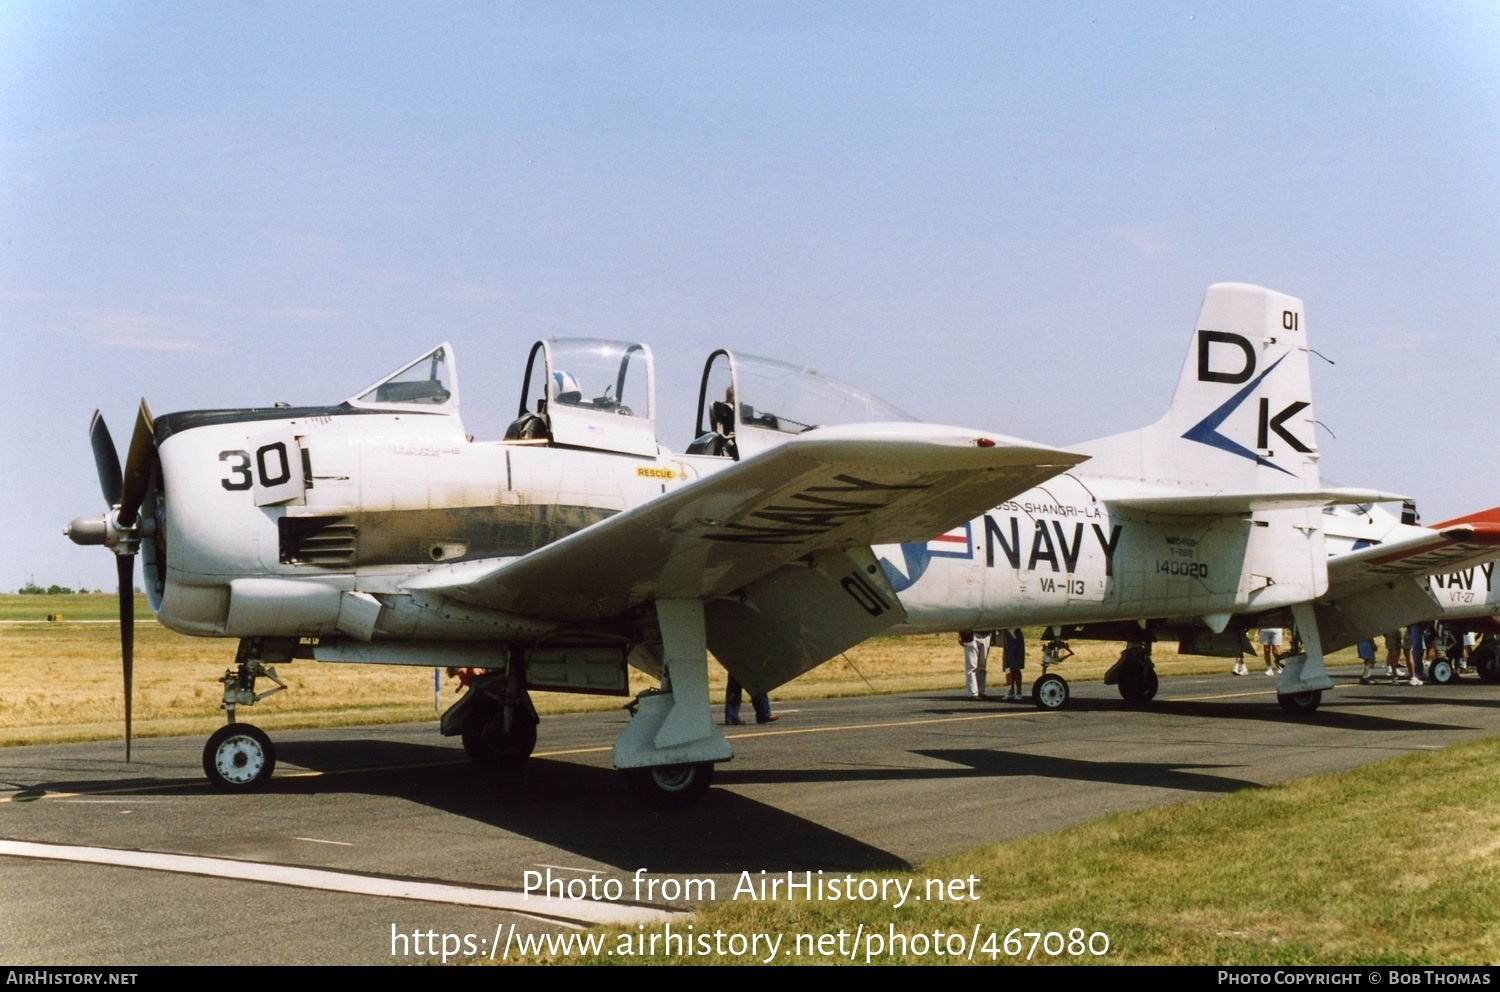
1449 547
836 487
1384 586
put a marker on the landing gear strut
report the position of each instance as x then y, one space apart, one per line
1299 689
240 757
668 749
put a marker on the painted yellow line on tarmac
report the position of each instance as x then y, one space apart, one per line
879 725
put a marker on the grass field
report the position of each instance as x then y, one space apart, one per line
1393 863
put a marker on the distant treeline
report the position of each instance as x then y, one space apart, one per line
32 589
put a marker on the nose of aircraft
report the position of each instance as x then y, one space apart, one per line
87 530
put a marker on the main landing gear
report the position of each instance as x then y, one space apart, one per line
1486 660
1134 674
495 718
670 786
1300 703
1299 688
668 749
666 753
240 757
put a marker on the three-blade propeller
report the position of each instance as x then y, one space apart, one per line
125 492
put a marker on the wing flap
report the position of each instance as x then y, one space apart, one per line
836 487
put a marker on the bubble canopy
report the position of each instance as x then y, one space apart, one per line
593 393
759 401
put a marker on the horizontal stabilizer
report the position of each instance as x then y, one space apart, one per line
1179 504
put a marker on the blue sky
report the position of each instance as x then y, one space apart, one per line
998 215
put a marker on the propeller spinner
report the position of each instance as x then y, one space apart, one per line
120 529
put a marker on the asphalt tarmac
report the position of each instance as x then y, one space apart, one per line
382 845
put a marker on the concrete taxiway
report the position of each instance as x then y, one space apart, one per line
371 834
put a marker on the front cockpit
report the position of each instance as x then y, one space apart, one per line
427 385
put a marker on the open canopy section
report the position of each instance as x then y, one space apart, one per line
589 393
427 385
747 404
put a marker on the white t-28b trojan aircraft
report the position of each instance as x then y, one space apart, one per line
1383 574
377 531
1387 571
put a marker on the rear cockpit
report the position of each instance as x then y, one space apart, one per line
748 404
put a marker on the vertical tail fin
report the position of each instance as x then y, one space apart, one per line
1242 416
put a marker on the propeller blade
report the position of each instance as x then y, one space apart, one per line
105 459
137 466
125 569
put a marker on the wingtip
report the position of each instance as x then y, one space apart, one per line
1484 520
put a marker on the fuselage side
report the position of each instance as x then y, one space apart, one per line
381 497
1061 554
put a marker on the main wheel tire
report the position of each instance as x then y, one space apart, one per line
239 758
1301 703
1138 684
1441 671
1486 662
1050 692
670 786
486 741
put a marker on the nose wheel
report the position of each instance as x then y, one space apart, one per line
239 758
1050 692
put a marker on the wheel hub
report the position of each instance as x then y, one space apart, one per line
673 777
240 759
